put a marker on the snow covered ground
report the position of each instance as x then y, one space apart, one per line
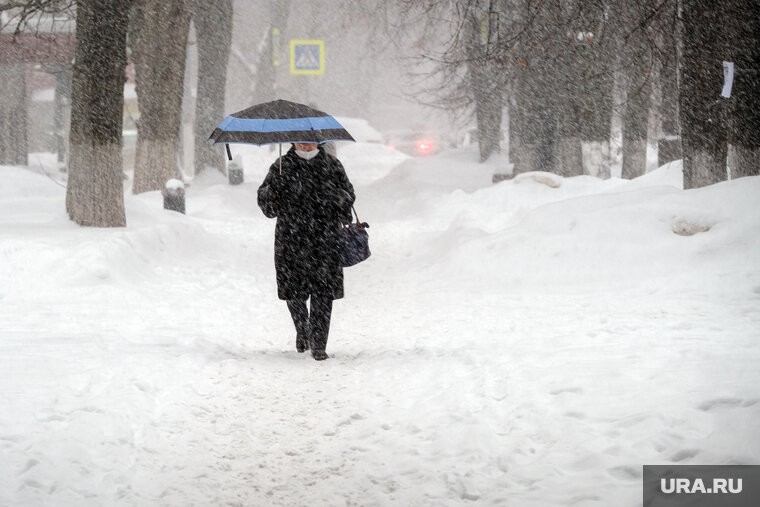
531 343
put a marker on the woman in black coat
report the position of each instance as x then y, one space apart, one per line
311 197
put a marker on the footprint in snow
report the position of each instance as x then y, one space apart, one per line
345 422
625 472
683 455
568 390
719 403
29 465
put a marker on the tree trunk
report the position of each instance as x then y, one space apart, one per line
565 77
664 124
669 142
636 116
95 194
488 107
213 26
616 121
539 121
744 51
189 98
160 34
596 85
545 141
702 110
485 82
62 113
654 126
671 125
518 153
13 127
635 52
569 156
535 115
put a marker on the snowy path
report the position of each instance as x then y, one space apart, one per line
490 416
123 389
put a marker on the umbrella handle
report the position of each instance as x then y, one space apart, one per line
229 153
280 159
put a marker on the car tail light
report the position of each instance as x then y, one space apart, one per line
425 146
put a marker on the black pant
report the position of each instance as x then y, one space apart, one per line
314 323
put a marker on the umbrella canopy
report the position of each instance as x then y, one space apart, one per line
279 121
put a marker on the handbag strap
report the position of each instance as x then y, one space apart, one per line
358 222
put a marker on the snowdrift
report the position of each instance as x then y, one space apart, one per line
528 343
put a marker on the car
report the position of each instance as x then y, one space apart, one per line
418 144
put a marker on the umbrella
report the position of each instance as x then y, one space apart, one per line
276 122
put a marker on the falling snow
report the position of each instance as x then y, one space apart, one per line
564 280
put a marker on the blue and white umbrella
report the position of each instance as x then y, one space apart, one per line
279 121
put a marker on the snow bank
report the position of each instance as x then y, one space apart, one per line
523 233
532 342
360 129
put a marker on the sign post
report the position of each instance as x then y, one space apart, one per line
276 47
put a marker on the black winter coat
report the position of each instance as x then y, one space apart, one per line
311 200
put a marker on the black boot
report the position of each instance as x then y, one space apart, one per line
300 315
319 355
319 325
302 339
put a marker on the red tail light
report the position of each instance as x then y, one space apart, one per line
425 146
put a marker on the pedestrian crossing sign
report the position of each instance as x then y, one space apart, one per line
307 56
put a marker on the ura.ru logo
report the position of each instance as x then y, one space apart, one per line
683 485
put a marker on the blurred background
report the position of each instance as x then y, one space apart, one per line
605 88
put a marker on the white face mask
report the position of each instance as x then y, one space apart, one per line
307 155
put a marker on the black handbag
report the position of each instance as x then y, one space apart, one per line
356 245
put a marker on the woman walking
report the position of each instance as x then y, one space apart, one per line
308 192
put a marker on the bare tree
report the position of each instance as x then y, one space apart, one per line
158 37
213 25
23 18
703 112
744 51
533 119
487 82
13 129
543 122
469 76
568 40
94 194
638 65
